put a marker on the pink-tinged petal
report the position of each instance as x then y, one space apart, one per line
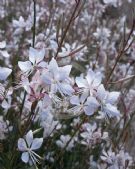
25 157
29 138
22 144
25 66
75 100
4 73
37 142
81 82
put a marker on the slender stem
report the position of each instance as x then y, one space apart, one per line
25 93
64 149
121 52
34 24
67 28
33 45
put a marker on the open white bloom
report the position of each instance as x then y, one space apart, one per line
58 78
117 161
88 105
27 146
49 124
87 134
108 101
19 23
35 59
64 140
91 136
102 33
90 83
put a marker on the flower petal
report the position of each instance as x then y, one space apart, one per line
75 100
113 97
25 66
53 66
2 44
22 144
81 82
29 138
37 142
111 110
101 93
65 71
25 157
91 106
4 73
36 56
65 88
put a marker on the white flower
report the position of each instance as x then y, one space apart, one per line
88 134
109 157
102 33
117 161
91 135
88 105
27 146
58 78
49 124
90 83
35 59
107 101
19 23
64 140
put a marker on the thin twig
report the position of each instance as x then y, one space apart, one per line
33 44
67 28
121 53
